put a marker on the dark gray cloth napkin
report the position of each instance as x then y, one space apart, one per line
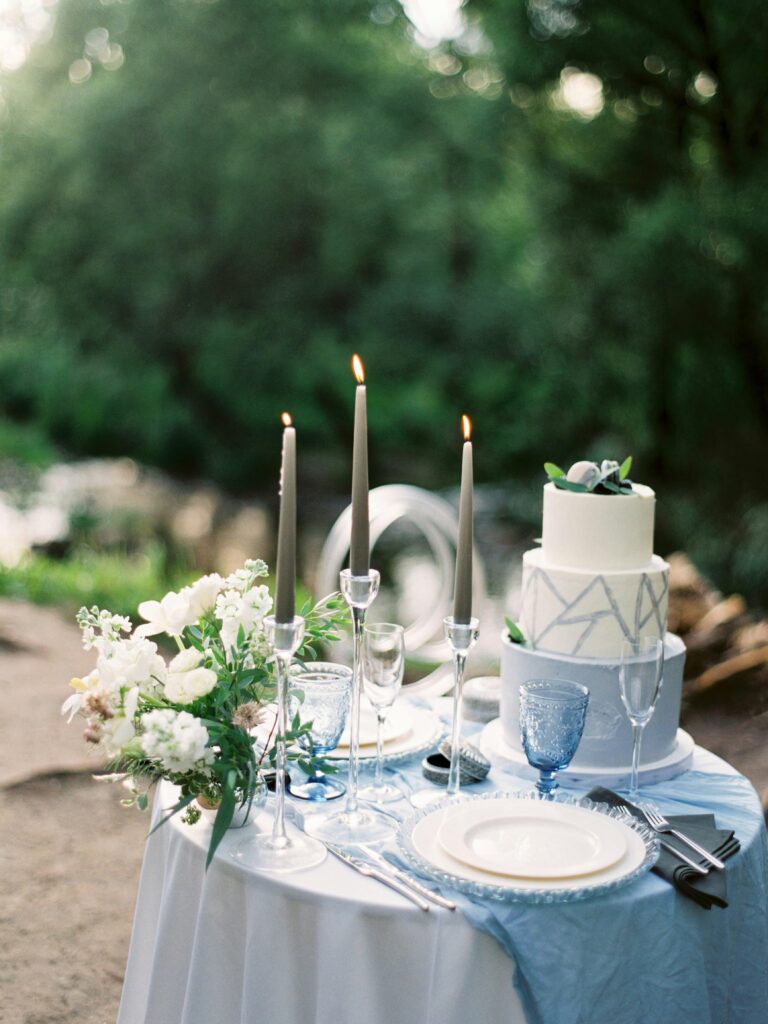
706 890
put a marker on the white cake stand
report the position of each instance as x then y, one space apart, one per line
503 755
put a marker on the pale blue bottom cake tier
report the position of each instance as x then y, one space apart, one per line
607 739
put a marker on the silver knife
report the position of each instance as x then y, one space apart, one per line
683 858
381 876
406 879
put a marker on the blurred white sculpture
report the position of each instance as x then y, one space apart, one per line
437 521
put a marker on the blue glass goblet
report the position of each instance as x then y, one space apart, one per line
327 689
552 713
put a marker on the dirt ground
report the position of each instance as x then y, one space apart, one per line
70 855
69 869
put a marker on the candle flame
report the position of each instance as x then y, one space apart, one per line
287 419
466 427
357 368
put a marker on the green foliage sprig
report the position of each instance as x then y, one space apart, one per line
608 478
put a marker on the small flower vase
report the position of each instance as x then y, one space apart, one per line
241 816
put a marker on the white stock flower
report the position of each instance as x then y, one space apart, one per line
202 594
131 662
243 579
234 610
187 679
177 739
171 615
116 733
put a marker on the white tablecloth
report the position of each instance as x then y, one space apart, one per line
328 946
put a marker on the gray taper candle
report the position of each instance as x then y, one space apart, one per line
462 596
359 554
285 574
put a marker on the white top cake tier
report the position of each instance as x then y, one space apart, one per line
598 532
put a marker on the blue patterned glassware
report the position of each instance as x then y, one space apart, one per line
552 714
327 689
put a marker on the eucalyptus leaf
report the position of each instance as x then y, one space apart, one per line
514 632
569 485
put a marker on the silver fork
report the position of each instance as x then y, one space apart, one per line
660 824
629 817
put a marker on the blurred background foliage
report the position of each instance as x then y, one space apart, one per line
553 217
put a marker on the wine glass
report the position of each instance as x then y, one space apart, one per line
552 714
383 669
326 689
640 677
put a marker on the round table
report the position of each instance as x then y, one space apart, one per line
327 945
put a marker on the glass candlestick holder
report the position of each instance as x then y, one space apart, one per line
354 824
279 850
462 637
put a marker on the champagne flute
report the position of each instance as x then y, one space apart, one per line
383 669
640 678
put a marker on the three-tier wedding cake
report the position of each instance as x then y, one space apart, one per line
593 583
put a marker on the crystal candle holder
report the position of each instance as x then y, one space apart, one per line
462 637
354 825
279 851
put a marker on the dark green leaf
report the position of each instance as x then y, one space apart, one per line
223 817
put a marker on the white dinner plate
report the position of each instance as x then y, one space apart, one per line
420 843
532 838
397 724
424 731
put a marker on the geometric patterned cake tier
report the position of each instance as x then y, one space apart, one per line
588 615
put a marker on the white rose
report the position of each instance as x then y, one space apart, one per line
187 679
202 594
171 615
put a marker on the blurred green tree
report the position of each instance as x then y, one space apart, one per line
555 222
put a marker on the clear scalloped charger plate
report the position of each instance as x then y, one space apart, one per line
419 843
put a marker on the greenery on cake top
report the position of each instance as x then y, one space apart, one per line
588 478
514 632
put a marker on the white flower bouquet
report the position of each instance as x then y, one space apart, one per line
190 720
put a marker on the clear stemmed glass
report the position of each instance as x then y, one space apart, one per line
326 689
552 714
640 677
278 850
383 670
354 824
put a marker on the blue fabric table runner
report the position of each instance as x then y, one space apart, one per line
644 953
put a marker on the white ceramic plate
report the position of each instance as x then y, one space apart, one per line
397 724
425 730
532 839
431 857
